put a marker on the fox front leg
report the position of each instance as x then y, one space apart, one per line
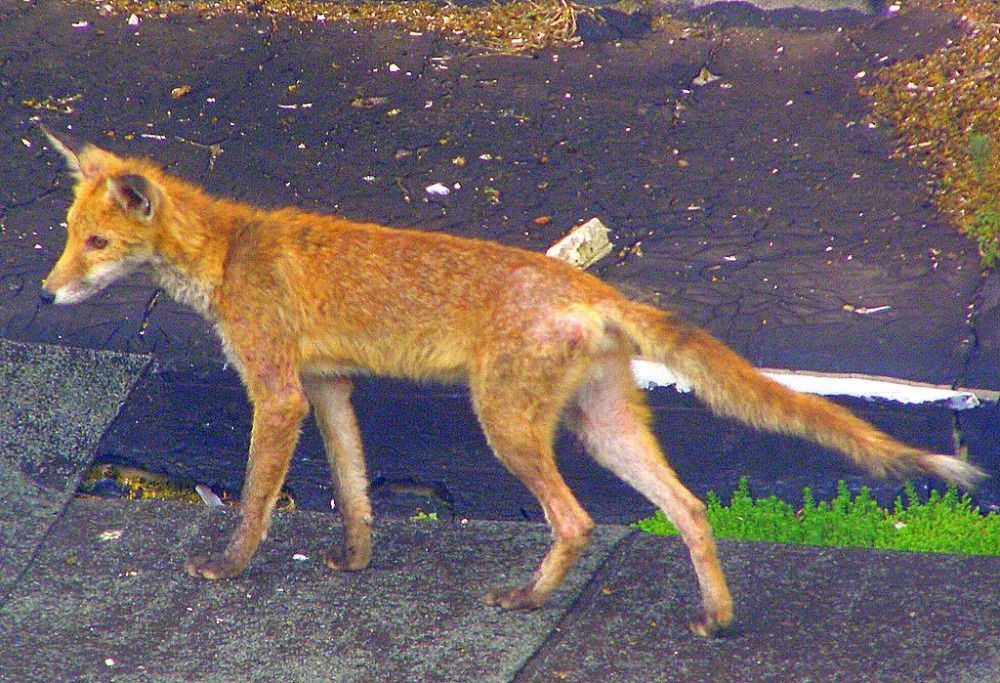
276 422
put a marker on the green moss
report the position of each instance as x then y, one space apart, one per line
984 229
132 483
946 523
980 152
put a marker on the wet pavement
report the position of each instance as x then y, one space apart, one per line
763 205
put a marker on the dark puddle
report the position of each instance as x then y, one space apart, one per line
426 453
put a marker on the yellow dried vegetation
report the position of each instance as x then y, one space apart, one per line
511 27
945 110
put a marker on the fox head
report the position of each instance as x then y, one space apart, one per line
110 225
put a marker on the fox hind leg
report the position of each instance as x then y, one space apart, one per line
611 419
519 411
571 526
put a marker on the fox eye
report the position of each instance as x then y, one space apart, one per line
96 242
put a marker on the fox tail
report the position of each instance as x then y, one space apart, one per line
731 387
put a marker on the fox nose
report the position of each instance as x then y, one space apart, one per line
47 297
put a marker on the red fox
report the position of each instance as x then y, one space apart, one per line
303 302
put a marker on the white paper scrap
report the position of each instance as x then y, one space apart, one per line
649 374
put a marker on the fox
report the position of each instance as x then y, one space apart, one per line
304 302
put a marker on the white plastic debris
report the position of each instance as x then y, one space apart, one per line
438 190
869 310
649 374
584 245
208 496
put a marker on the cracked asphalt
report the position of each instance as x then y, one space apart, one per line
760 204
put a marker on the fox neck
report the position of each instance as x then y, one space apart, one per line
176 281
192 245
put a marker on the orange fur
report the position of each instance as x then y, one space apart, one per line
303 301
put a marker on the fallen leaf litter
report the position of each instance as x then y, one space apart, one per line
945 111
511 27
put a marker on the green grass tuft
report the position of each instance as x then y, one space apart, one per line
944 523
984 228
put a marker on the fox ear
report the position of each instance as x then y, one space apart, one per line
137 196
83 159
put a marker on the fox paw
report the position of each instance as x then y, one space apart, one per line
514 598
212 567
707 627
347 561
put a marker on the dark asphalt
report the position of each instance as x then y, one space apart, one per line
764 206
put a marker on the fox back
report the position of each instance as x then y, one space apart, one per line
353 296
